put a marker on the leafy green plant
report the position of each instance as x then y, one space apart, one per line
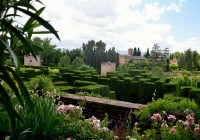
77 127
173 105
14 36
41 85
42 123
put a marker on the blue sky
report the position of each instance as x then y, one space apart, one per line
186 22
126 24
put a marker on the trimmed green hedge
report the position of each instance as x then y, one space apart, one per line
96 77
195 94
185 90
64 70
89 78
133 91
103 81
102 90
68 77
60 83
135 72
160 86
68 89
80 83
112 83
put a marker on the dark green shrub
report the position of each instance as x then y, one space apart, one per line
198 84
154 79
55 77
150 90
68 77
64 70
185 90
112 83
135 72
78 72
80 83
112 95
103 81
194 94
60 83
133 91
159 86
89 78
102 90
96 77
138 77
145 75
120 90
67 89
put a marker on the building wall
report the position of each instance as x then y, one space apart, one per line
31 61
107 67
130 52
122 59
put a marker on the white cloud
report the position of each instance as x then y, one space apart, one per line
115 22
176 6
153 12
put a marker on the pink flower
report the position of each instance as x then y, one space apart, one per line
70 106
172 130
197 129
68 139
171 117
156 117
62 109
190 119
185 123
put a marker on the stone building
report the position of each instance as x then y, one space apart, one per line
127 58
29 60
107 67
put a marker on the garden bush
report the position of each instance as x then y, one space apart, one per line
135 72
194 94
80 83
102 90
41 84
170 118
134 89
42 124
68 77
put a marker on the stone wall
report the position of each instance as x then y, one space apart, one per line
98 107
29 60
107 67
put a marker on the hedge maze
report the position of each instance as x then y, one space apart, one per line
136 86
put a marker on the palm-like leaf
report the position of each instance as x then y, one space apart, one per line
12 37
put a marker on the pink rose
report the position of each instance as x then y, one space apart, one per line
171 117
172 130
156 117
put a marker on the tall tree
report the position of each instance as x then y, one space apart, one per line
77 63
188 59
147 54
195 60
181 61
65 61
138 52
48 50
135 51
